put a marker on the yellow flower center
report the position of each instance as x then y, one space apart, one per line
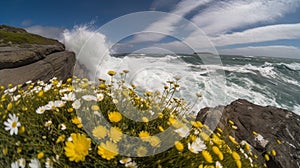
14 124
79 149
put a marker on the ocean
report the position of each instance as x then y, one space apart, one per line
261 80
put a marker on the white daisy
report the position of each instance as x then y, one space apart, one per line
28 82
59 83
100 97
17 97
76 104
47 87
125 160
41 110
196 146
12 124
48 124
131 164
218 165
50 105
11 90
49 163
69 97
22 163
63 127
14 164
34 163
183 131
59 103
63 90
40 82
89 98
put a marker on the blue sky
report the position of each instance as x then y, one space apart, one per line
242 27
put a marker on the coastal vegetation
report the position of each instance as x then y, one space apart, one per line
83 124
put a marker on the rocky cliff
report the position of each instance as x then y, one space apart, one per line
25 56
271 123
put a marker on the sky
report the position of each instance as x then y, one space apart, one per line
239 27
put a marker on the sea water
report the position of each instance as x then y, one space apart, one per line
261 80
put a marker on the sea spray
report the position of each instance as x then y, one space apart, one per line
261 80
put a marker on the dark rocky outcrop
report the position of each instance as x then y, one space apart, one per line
272 123
25 56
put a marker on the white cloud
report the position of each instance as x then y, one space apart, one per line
161 4
274 51
167 24
226 16
259 34
46 31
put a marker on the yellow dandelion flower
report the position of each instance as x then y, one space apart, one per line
273 152
232 139
70 110
19 150
235 156
179 146
155 141
172 120
95 107
216 140
192 137
267 157
115 116
238 163
247 147
99 132
41 93
278 141
217 151
5 151
160 115
145 119
204 136
161 129
77 149
144 135
254 133
77 121
102 86
111 72
141 151
200 166
61 138
220 130
69 80
115 134
9 106
21 129
231 122
40 155
108 150
197 124
207 156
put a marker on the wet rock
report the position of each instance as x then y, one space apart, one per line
270 122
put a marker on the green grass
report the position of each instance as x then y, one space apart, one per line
21 38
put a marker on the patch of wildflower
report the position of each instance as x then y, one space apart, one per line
41 127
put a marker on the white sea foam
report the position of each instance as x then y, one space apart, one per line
151 73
